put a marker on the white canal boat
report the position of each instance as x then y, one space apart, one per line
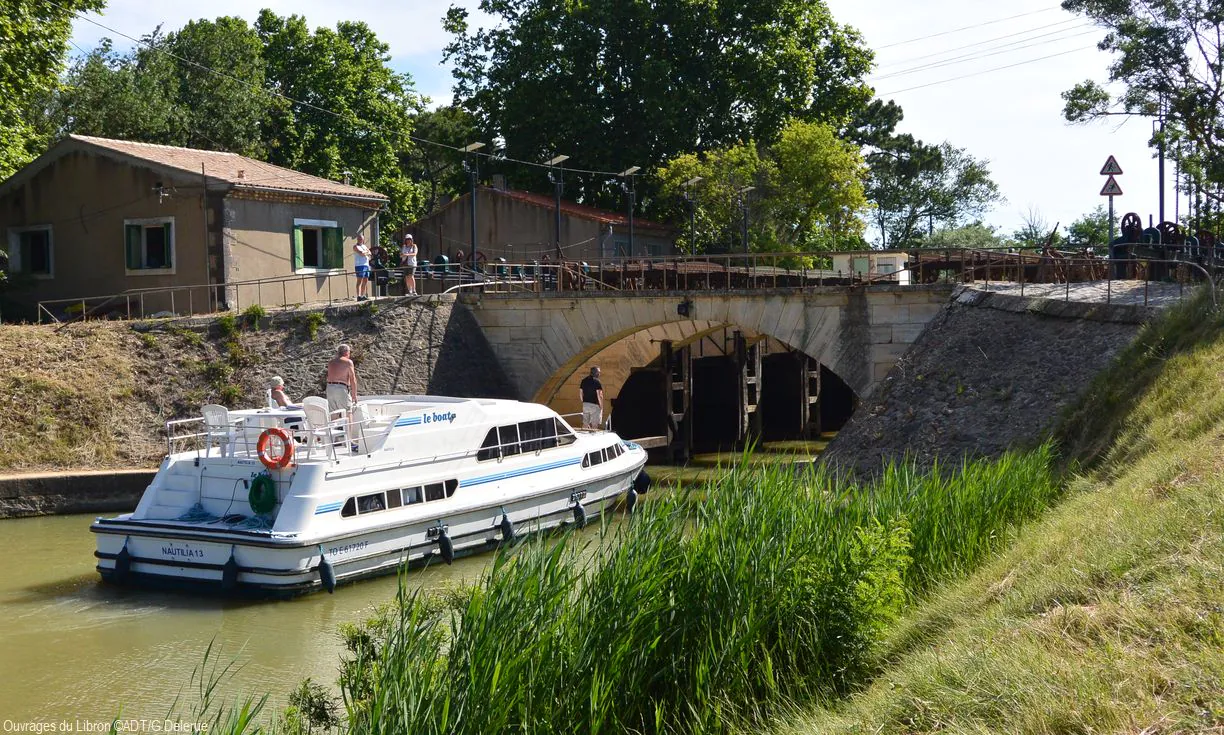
275 501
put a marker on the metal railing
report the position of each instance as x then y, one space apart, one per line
708 272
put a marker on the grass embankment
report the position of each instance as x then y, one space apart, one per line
700 613
1107 616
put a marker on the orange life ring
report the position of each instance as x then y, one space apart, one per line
281 460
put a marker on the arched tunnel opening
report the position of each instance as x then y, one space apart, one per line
720 394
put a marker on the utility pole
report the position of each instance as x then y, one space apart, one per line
557 177
471 164
692 202
743 192
627 186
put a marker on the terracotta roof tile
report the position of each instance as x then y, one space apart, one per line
231 168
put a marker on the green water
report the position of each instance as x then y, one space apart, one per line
72 648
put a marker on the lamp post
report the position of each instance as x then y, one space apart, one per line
743 194
692 202
627 186
557 177
471 164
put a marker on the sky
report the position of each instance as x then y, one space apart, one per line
1011 117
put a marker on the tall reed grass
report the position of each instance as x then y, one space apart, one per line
704 610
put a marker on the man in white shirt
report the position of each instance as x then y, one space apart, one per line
361 264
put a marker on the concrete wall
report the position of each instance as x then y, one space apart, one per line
541 341
86 198
77 492
521 232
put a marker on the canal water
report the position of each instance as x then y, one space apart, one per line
74 649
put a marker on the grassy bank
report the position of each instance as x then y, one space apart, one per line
1108 615
703 612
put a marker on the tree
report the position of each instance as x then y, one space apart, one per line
916 186
1091 230
437 167
33 41
808 191
636 83
974 235
1168 59
349 110
1035 230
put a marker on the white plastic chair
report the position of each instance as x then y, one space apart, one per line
322 429
219 427
271 403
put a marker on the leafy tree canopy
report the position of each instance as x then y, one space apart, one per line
634 83
915 187
1167 56
973 235
33 40
1092 229
808 192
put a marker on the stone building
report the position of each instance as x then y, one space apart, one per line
176 229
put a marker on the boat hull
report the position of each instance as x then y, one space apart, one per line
167 554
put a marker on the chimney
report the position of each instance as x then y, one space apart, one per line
241 173
348 178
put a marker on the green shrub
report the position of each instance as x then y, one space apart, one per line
314 320
231 395
149 341
253 314
189 336
227 325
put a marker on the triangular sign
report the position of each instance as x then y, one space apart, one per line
1111 188
1111 168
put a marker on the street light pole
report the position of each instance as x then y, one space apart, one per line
743 192
692 202
471 164
557 177
627 185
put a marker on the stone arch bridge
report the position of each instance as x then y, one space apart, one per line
857 332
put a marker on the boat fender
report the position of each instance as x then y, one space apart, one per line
579 514
446 548
507 528
327 575
123 564
631 499
229 573
641 483
262 495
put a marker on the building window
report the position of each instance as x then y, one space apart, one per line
149 246
30 251
318 244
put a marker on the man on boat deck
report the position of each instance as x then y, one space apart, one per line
341 380
591 391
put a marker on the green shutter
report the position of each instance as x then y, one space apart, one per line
168 229
132 240
333 247
298 259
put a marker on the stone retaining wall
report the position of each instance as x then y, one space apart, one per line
60 493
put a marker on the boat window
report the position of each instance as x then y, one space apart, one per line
371 503
350 509
393 499
537 435
509 439
412 495
596 458
435 491
586 460
450 487
565 436
488 449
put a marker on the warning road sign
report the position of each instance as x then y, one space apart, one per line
1111 168
1111 188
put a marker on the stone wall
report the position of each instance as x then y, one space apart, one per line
989 373
54 493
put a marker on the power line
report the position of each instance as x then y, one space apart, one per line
413 138
984 54
986 71
989 41
965 28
